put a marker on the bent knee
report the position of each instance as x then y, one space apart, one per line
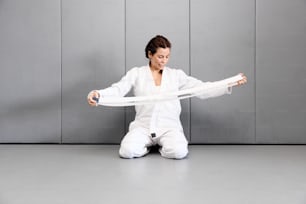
129 151
177 152
125 152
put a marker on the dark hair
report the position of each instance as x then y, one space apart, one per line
158 41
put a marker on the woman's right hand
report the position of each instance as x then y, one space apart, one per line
90 98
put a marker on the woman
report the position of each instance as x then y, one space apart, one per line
158 123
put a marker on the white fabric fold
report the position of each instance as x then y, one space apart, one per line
181 94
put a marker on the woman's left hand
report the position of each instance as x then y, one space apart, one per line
242 81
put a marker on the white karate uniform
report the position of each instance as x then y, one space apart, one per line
157 123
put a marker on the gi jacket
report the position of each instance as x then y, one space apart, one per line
160 116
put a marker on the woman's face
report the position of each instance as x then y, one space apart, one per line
159 59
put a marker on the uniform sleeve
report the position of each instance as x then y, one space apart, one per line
186 82
122 87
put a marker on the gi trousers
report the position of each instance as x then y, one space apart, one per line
137 143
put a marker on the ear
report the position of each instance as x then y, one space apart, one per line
150 54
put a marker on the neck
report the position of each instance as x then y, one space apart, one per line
160 71
155 70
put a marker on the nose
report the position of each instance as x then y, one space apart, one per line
164 60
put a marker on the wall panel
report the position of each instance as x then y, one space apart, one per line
30 79
92 58
281 71
144 21
222 45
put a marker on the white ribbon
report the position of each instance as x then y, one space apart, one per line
182 94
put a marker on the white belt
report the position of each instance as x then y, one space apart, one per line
182 94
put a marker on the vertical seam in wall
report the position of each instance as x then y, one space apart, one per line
125 108
61 67
255 56
189 27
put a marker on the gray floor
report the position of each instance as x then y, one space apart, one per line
94 174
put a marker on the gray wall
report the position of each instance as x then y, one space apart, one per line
30 71
281 71
52 53
222 44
